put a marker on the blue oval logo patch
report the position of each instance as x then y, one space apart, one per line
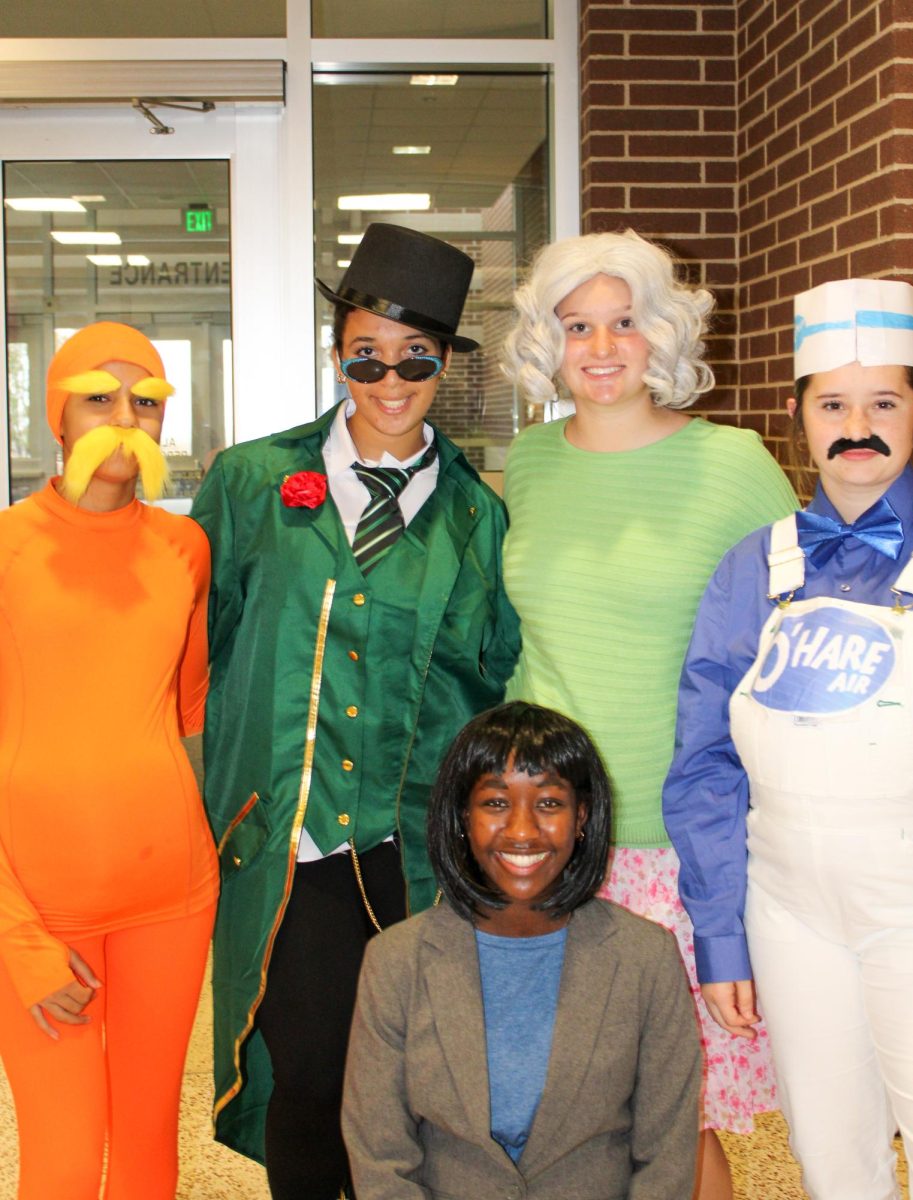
824 661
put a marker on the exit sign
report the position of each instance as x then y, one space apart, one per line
198 218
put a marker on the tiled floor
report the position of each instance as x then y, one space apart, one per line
762 1166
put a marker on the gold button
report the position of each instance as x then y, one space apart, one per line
353 654
351 711
358 599
347 764
343 818
472 511
236 860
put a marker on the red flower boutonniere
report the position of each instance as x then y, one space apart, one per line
304 489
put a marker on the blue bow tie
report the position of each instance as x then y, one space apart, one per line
879 527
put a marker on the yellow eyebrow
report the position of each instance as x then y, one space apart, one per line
152 389
91 383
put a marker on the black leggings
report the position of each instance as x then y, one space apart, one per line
307 1010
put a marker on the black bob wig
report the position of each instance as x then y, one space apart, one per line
539 740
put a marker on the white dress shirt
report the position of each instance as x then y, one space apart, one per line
351 498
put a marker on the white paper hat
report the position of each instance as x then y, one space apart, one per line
853 320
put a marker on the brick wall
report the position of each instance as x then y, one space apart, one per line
658 110
766 142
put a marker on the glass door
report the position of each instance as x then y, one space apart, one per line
144 243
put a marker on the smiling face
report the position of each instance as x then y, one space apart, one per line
855 403
522 830
605 356
119 406
389 414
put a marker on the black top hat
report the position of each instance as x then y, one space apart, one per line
408 277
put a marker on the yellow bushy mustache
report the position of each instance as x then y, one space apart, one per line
97 446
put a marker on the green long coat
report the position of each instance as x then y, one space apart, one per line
332 700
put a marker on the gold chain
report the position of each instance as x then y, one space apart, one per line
361 887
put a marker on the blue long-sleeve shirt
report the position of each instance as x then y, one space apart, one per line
705 798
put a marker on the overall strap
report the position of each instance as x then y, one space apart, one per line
904 581
785 560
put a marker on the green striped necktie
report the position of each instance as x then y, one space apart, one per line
382 522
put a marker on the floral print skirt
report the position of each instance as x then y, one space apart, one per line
738 1073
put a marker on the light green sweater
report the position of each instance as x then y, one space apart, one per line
606 559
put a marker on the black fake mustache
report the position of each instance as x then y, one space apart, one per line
873 442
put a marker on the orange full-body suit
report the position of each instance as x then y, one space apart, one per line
103 843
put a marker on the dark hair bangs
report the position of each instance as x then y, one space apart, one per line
539 740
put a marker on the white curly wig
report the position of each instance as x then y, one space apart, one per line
671 316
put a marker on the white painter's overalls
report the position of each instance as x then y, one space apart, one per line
823 723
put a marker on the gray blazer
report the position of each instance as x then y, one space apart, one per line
618 1119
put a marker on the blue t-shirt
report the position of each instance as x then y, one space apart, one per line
521 978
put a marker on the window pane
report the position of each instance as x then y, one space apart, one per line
419 19
164 18
169 274
483 164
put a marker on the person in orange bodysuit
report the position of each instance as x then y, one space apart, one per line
107 868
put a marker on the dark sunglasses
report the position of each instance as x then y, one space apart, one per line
372 370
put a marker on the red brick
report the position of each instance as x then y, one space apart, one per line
863 95
701 45
871 125
762 238
603 45
793 167
857 166
661 70
655 223
863 29
793 225
870 192
642 119
606 197
720 172
830 84
818 62
790 283
762 185
793 109
830 209
784 143
901 217
643 17
752 162
820 122
817 244
689 145
721 222
603 145
690 94
829 149
682 197
783 30
720 70
632 170
782 256
869 260
795 48
718 19
903 184
605 94
719 120
816 185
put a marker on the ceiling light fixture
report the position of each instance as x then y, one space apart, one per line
411 149
85 237
386 202
91 199
433 80
138 260
44 204
342 263
349 239
104 260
